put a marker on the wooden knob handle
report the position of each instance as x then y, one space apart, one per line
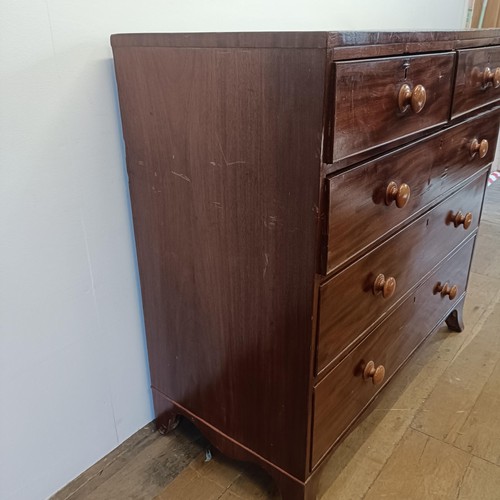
445 289
479 147
400 194
414 99
377 374
491 77
385 286
459 218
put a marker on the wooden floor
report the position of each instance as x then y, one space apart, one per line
433 434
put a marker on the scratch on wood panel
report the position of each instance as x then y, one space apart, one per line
182 176
220 147
266 256
227 163
235 163
270 221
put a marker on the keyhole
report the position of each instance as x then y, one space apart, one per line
406 66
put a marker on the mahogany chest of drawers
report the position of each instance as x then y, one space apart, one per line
305 207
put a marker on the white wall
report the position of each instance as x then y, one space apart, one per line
73 369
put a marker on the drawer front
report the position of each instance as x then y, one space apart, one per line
370 107
349 304
478 79
343 394
369 201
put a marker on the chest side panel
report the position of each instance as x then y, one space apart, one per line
223 155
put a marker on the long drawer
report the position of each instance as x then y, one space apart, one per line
364 292
343 394
370 107
376 198
478 79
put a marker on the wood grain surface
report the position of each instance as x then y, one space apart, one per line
366 40
223 156
369 38
366 112
347 304
389 345
358 216
469 92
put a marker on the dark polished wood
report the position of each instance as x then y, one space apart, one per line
336 404
455 320
431 168
257 40
224 207
406 257
369 38
367 43
478 79
292 490
350 52
369 110
290 487
231 142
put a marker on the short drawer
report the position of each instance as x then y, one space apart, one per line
370 201
343 394
478 79
360 295
380 100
